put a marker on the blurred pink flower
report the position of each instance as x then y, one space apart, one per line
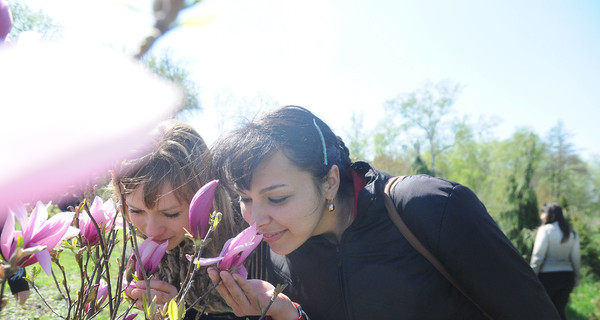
6 20
235 251
36 230
200 209
103 213
151 252
130 316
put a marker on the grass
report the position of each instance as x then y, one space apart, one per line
35 307
585 301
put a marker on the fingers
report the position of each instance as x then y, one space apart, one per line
163 292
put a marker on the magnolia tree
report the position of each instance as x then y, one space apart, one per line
101 240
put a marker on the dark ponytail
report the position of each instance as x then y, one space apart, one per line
554 213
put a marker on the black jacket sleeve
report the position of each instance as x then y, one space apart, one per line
455 226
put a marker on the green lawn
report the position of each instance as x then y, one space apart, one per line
36 308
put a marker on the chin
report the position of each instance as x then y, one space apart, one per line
173 245
282 250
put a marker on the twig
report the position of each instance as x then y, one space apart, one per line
204 295
277 291
45 302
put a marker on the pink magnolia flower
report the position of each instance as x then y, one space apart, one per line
200 209
130 316
235 251
103 213
151 252
36 230
101 295
6 20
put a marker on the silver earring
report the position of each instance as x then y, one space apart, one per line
331 206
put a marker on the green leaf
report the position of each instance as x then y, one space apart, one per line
20 241
146 307
173 310
216 219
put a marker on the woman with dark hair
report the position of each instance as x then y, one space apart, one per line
158 184
556 259
333 243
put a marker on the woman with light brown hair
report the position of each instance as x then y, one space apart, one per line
158 184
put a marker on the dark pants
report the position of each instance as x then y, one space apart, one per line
559 286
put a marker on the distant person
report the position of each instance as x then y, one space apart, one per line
334 243
556 259
19 287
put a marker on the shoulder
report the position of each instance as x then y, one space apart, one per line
430 193
547 229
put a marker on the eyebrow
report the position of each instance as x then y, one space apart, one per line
158 209
275 186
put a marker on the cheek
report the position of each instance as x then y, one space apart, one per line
137 221
180 223
245 213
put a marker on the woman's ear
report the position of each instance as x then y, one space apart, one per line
332 182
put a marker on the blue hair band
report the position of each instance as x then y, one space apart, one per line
322 141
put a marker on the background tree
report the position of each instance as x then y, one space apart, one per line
164 66
521 218
564 174
426 109
357 139
468 161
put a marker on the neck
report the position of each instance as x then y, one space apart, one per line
341 218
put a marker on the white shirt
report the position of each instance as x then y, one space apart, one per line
550 255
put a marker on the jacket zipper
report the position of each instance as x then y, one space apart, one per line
341 281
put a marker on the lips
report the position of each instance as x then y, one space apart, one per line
272 237
161 240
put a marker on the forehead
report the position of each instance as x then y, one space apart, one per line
165 197
277 169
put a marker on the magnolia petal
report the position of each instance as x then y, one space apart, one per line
242 272
43 257
199 214
246 252
71 233
209 261
97 211
130 316
20 214
236 250
7 236
38 217
157 255
52 232
102 292
61 76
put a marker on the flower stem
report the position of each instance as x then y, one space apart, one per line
204 295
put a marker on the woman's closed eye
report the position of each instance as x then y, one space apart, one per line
278 199
171 215
244 200
136 211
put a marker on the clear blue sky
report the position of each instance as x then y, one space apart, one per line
529 63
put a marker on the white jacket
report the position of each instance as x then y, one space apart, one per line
550 255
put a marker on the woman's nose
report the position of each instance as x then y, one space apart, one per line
254 214
154 227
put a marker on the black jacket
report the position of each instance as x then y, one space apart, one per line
374 273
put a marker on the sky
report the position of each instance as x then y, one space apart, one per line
526 63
